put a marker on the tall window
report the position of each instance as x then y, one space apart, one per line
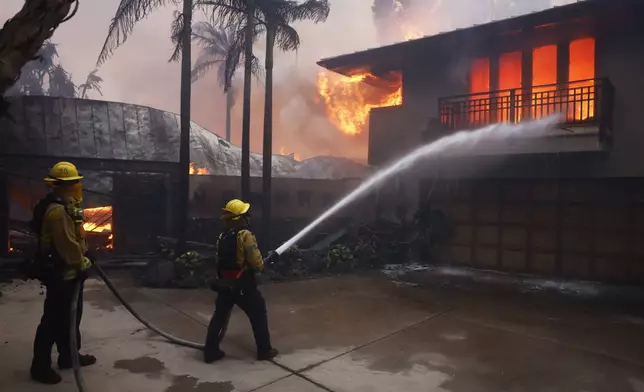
479 107
509 78
544 71
581 68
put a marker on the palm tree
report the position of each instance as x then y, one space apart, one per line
23 36
274 17
219 46
92 82
128 13
279 15
43 76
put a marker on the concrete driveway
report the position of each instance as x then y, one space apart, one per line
340 334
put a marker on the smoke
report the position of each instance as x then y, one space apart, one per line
139 72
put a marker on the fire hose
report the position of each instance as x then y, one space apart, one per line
80 383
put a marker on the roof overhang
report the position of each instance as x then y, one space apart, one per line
393 57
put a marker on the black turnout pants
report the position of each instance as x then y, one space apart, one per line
54 325
252 302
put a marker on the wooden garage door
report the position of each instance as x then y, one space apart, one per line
588 229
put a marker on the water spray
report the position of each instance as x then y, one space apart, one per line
457 143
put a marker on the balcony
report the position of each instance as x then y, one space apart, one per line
587 106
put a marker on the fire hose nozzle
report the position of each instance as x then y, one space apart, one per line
272 257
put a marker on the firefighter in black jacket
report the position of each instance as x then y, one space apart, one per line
60 261
238 258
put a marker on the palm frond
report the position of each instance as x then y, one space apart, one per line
313 10
128 13
223 13
286 38
202 66
176 35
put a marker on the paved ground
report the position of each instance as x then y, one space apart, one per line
343 334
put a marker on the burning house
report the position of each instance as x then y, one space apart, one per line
569 204
129 156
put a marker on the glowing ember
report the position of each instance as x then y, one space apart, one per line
198 171
349 100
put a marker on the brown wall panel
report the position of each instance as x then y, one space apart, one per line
545 216
487 213
461 254
461 212
514 260
544 263
487 257
575 265
516 214
515 238
576 241
544 240
487 235
462 235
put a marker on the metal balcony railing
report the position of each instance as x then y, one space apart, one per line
587 103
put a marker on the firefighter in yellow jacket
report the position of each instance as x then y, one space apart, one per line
60 262
238 258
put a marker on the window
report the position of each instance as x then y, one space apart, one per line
582 67
479 106
304 198
510 71
544 71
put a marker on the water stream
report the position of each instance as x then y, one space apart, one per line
457 143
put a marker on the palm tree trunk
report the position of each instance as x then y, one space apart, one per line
229 109
248 59
268 138
24 34
184 148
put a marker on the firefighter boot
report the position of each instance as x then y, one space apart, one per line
214 356
44 374
83 360
266 355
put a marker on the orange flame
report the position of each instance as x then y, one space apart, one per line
198 171
295 156
348 100
410 31
98 219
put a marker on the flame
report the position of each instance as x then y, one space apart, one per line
295 156
198 171
98 219
348 100
582 67
410 31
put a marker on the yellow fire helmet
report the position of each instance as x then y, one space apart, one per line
235 209
63 171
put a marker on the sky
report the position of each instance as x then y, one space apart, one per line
139 71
